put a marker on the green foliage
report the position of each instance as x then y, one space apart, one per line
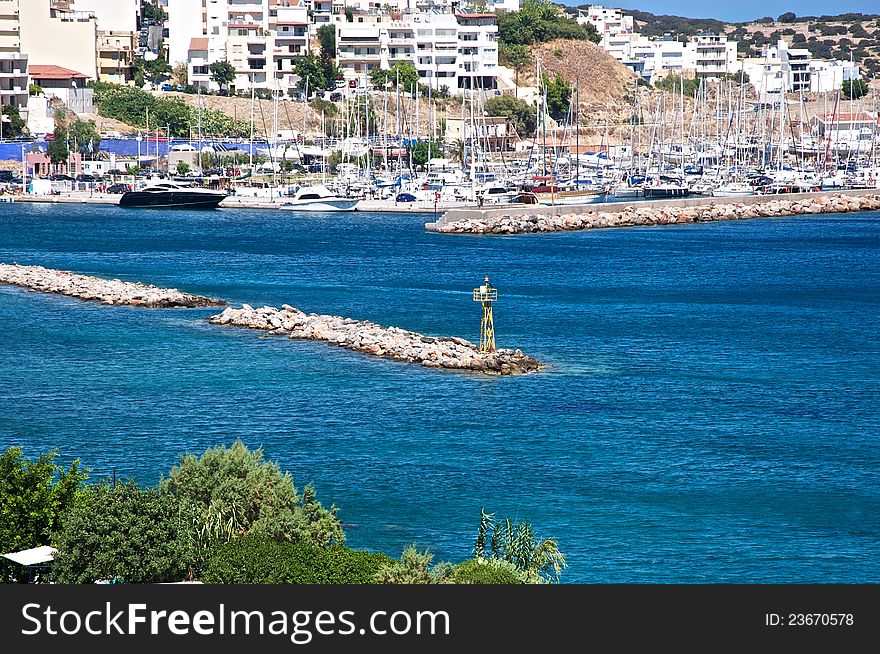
181 74
538 21
222 73
558 96
515 543
57 149
854 89
327 39
414 567
518 112
157 70
310 68
263 499
486 571
260 560
182 168
34 496
132 106
15 126
658 25
422 151
788 17
154 11
124 533
401 75
673 84
320 105
738 78
84 137
35 90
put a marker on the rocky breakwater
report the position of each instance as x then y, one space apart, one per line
106 291
386 342
643 214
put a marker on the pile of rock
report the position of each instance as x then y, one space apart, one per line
644 214
373 339
107 291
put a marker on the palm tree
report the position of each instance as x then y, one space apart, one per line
515 543
456 151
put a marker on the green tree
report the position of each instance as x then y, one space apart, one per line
486 571
237 482
456 151
403 75
515 543
558 96
181 73
34 496
57 149
157 70
124 533
519 113
422 151
14 126
154 11
855 89
515 56
327 39
539 21
84 137
788 17
310 71
222 73
182 168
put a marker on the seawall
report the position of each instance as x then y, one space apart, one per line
375 340
533 219
97 289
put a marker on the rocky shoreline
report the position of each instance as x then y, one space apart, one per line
643 214
375 340
107 291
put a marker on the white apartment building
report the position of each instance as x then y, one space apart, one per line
456 51
52 35
781 69
117 24
13 62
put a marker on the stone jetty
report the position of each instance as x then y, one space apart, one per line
106 291
648 214
386 342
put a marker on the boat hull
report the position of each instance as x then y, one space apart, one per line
322 206
171 200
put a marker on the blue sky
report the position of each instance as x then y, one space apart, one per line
742 10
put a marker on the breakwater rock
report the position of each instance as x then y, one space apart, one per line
643 214
375 340
106 291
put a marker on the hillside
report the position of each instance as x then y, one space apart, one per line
826 37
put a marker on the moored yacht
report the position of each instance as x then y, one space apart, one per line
319 198
172 195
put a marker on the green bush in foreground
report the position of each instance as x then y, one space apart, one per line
259 560
485 571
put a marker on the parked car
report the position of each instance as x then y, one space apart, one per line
116 171
119 188
86 178
60 178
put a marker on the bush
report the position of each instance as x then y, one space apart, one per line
259 560
485 571
123 532
414 567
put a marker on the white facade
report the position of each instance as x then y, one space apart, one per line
47 35
13 62
781 69
606 21
111 15
184 24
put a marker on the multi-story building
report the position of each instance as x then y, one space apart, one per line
712 55
13 62
781 69
52 34
117 24
478 51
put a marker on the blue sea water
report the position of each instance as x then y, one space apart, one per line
710 411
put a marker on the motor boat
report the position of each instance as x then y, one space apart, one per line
319 198
733 190
172 195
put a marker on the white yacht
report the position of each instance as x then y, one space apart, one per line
319 198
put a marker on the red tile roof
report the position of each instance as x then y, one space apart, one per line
38 71
198 44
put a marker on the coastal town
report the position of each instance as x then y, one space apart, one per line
423 106
299 293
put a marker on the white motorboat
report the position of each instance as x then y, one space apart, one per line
733 190
319 198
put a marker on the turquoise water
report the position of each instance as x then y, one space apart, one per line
710 412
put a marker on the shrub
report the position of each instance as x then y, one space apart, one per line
414 567
123 532
485 571
260 560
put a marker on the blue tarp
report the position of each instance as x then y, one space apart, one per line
122 147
